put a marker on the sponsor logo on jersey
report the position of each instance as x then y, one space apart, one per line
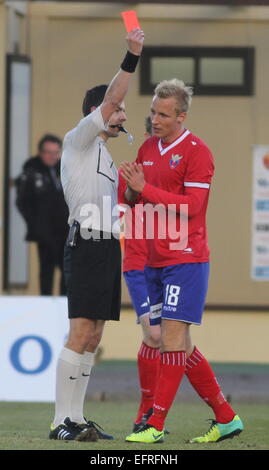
175 161
148 163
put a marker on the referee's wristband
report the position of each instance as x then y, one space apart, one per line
129 62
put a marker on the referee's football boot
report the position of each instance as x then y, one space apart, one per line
145 417
219 431
98 429
70 431
147 434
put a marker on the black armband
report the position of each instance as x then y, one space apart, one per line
129 62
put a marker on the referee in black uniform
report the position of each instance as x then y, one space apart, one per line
92 259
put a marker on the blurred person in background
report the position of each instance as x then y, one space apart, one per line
40 200
148 127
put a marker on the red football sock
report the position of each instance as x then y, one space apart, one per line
172 370
203 380
148 362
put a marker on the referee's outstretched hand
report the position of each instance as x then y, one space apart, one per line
135 40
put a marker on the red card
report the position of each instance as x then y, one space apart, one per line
130 20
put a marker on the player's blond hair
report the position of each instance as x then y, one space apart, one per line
177 89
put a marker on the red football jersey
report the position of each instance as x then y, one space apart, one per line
135 248
135 254
176 173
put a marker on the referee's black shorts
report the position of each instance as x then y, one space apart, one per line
92 272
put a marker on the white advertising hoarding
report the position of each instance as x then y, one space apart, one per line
260 214
33 331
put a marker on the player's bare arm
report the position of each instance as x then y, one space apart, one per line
119 85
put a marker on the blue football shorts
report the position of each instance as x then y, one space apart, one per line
177 292
137 287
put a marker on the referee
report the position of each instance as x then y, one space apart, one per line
92 261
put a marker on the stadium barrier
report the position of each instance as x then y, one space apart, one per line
33 330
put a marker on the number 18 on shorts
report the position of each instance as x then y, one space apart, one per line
177 292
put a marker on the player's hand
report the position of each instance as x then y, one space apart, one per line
134 176
135 40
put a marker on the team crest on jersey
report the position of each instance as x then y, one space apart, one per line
175 161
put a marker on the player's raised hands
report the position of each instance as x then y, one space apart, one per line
133 175
135 40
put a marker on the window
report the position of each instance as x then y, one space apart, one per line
210 70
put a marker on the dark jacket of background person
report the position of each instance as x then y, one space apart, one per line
41 202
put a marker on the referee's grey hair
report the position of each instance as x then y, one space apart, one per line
177 89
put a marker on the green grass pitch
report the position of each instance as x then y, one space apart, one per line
25 426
